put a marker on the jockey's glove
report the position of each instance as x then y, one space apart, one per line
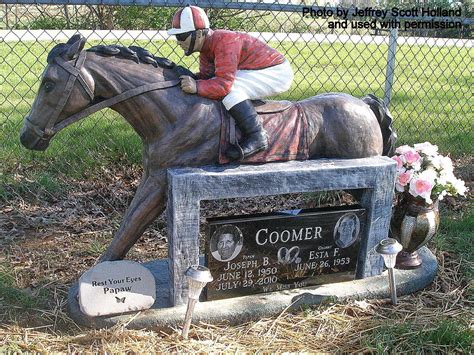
180 70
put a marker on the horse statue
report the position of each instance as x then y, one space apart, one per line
177 129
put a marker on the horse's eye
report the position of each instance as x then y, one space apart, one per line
48 86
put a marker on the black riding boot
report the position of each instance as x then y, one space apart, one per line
254 137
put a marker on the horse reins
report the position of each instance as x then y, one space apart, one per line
75 74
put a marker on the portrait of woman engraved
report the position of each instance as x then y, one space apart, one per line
347 230
226 243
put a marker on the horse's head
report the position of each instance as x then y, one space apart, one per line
66 88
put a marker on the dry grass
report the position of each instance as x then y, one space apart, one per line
48 242
343 327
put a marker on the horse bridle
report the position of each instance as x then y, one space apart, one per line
75 74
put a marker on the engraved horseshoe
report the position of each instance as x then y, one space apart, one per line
282 255
296 251
285 256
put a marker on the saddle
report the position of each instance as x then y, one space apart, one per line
271 106
287 128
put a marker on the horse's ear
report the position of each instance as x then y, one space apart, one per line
75 45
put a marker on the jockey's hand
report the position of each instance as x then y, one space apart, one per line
188 84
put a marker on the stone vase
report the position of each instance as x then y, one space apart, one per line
413 224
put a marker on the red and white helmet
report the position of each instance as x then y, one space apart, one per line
188 19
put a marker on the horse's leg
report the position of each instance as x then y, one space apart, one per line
148 202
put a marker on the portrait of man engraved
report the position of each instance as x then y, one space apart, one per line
226 243
347 230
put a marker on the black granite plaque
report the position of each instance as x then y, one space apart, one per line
273 252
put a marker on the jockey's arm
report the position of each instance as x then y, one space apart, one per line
206 68
226 63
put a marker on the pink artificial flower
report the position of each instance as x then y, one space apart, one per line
412 157
398 161
403 179
421 187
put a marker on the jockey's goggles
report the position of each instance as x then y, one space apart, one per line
181 37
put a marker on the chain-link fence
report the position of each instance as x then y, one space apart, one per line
424 74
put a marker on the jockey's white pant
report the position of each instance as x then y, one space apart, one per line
258 84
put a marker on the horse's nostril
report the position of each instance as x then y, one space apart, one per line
23 137
27 139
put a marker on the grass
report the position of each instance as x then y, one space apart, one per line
430 101
456 235
84 180
412 337
17 297
48 245
449 332
97 247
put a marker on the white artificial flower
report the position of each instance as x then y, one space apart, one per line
446 177
446 163
403 149
426 148
437 162
459 186
442 194
417 166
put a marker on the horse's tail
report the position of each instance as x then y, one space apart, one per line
385 121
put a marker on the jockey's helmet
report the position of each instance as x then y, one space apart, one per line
190 18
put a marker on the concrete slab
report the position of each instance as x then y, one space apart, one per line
242 309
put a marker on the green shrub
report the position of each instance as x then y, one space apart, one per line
47 23
143 18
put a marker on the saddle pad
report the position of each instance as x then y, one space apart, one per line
287 136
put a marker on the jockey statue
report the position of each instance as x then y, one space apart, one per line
234 67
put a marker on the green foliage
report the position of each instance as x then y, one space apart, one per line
159 18
97 247
59 23
143 17
13 296
456 234
50 23
413 338
231 20
44 184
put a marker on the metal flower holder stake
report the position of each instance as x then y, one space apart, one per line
198 276
389 248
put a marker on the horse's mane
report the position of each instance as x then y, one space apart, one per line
135 53
140 55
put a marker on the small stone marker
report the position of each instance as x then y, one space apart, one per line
279 251
115 287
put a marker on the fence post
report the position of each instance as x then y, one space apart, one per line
392 49
66 14
6 17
